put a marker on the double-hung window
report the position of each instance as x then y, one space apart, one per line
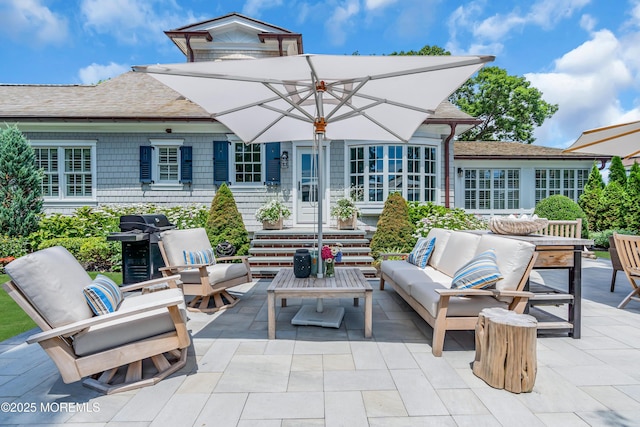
69 169
166 162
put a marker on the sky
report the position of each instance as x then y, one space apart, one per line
583 55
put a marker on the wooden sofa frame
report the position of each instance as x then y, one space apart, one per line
442 323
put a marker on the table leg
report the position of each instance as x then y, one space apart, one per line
271 314
368 313
575 288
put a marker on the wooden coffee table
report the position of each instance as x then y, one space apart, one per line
347 283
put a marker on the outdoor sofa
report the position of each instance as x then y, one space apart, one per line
462 256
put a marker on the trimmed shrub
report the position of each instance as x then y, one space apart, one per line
20 185
601 238
94 253
613 207
617 172
633 193
394 230
559 207
589 200
225 222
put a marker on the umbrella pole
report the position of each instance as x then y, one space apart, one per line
320 204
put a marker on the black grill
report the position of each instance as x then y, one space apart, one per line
139 235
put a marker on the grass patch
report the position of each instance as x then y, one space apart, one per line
14 321
602 254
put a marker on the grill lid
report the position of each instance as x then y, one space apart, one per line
146 223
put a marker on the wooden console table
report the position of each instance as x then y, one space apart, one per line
347 283
556 253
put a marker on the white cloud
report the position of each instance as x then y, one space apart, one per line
377 4
340 22
133 21
586 83
588 22
33 22
496 28
253 8
93 73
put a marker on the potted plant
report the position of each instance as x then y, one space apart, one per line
346 213
272 214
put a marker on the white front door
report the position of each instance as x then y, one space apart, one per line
307 186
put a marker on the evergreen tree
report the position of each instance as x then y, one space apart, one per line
612 213
633 193
590 199
394 232
20 185
617 172
225 222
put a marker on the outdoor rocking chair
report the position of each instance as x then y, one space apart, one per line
628 248
189 253
109 350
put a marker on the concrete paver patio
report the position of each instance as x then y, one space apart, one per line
313 376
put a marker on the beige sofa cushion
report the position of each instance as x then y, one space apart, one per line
460 248
512 258
426 295
53 280
442 236
119 332
175 242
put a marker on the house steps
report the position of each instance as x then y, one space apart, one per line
271 250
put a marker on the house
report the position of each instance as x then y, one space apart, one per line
133 140
494 178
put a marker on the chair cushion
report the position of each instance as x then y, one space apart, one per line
442 237
123 331
219 272
175 242
421 252
204 256
480 273
103 295
426 295
52 280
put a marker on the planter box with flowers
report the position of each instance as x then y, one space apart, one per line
272 214
346 214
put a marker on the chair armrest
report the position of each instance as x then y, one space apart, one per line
465 292
233 258
388 255
521 294
135 286
170 299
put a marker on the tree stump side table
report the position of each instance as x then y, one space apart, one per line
506 349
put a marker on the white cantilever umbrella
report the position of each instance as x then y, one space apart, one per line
292 98
621 140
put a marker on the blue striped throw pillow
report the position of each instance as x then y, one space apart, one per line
480 273
103 295
205 256
422 251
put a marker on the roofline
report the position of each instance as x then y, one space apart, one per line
220 18
102 119
526 157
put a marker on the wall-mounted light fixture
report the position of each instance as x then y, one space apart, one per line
284 160
460 172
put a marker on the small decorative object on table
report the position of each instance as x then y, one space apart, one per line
519 226
331 255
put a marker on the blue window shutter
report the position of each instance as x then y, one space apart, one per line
146 157
272 160
186 165
220 162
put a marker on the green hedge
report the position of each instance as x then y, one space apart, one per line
94 253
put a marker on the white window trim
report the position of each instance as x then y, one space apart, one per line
60 145
155 169
375 206
562 188
231 161
492 189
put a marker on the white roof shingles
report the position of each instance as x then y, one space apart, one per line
129 96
